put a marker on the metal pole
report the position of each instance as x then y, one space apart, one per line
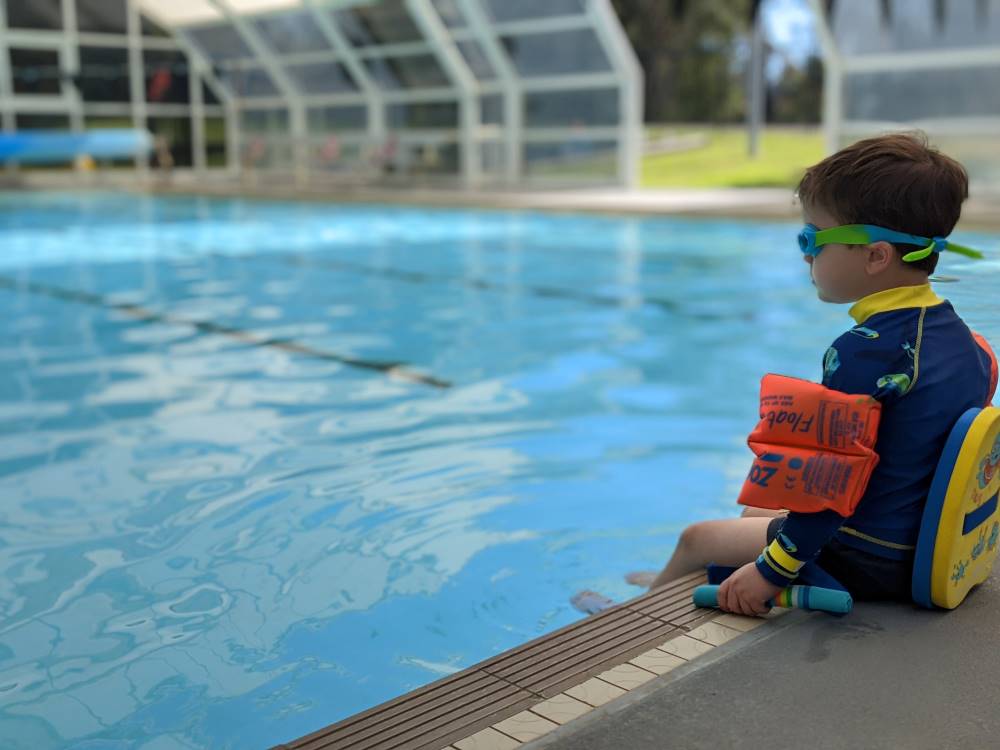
137 80
7 122
513 95
197 120
430 24
201 66
71 59
832 79
755 85
630 87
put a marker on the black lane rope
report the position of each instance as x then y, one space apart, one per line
420 277
394 369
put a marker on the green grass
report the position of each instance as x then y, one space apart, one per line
723 161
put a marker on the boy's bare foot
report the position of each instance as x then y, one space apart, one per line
642 578
591 602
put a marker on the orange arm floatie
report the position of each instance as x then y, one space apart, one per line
814 447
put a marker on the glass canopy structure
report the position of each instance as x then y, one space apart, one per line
479 92
931 64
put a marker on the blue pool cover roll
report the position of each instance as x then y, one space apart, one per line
54 146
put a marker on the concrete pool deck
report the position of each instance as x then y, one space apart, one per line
885 676
982 211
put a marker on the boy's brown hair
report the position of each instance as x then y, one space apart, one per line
895 181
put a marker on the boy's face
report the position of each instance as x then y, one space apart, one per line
840 273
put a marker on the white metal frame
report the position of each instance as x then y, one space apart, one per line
70 59
966 57
629 72
833 78
838 67
510 88
6 77
448 56
462 87
137 76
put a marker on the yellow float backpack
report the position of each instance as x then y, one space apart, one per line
959 531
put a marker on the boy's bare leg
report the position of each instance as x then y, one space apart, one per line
750 512
731 541
645 578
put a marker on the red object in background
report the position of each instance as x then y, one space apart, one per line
159 85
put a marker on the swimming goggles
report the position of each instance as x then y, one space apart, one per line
812 239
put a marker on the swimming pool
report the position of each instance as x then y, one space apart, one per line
264 465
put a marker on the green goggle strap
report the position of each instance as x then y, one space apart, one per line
858 234
954 247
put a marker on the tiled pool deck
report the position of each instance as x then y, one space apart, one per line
523 694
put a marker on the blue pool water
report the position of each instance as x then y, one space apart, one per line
228 519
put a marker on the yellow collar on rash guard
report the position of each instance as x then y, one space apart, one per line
893 299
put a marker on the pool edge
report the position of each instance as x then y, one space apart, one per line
527 692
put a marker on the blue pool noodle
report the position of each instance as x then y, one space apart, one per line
808 597
54 146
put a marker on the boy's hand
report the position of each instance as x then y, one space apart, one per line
746 591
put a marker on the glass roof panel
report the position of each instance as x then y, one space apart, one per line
476 59
590 107
322 78
150 27
249 82
908 95
450 13
102 16
861 27
289 33
264 120
407 72
557 53
422 115
519 10
220 42
325 119
386 22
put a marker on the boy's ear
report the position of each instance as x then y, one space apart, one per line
880 256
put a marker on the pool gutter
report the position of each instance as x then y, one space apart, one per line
525 693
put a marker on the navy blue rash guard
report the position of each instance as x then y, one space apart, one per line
912 352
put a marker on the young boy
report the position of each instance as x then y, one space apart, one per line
909 349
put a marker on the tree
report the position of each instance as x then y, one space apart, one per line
686 50
797 95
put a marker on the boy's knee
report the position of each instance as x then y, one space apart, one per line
695 535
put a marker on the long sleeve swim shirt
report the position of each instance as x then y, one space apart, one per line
912 352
